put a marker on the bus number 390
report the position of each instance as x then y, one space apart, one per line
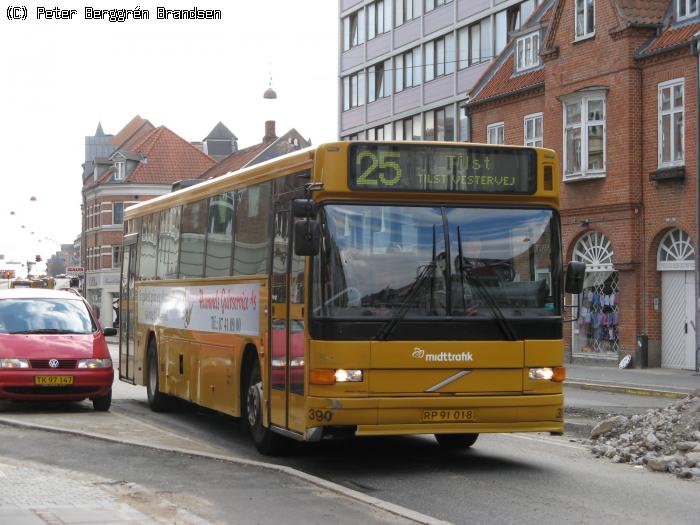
320 415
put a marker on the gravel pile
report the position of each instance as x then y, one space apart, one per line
663 440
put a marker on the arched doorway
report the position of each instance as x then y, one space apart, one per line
676 262
596 332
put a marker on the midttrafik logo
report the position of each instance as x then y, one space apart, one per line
419 353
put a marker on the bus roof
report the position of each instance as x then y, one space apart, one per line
288 164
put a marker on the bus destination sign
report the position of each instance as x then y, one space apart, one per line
451 169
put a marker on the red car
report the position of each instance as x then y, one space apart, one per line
53 348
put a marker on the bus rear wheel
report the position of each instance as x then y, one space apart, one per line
267 442
456 441
158 401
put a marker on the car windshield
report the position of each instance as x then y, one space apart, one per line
45 316
399 261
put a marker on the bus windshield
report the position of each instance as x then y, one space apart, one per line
416 262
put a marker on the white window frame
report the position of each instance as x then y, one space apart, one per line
689 12
583 35
582 100
496 132
353 33
120 170
536 141
354 90
672 111
525 60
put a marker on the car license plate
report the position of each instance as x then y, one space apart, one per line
53 380
452 415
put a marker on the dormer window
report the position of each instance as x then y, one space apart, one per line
585 18
120 170
528 52
686 8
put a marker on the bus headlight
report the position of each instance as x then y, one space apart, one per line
14 363
344 376
556 374
95 363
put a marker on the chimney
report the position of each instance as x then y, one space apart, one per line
270 135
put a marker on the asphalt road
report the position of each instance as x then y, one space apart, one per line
518 478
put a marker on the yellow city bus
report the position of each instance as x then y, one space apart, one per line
363 288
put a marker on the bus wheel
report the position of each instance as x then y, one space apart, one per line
456 441
156 399
266 441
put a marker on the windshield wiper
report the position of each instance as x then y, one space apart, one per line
486 296
425 273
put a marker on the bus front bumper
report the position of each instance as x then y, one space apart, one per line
384 416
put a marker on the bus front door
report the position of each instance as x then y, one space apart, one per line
126 313
287 362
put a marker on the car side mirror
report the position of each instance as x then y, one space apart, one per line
110 331
575 272
307 237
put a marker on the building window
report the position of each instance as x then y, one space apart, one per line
407 10
116 256
433 4
379 81
408 69
584 137
117 213
378 18
532 125
440 57
120 170
585 18
353 91
353 30
495 132
474 43
440 124
686 8
528 52
671 113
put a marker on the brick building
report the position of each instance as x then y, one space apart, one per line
138 163
610 85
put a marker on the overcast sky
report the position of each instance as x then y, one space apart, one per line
59 78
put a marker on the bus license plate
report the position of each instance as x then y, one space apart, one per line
53 380
453 415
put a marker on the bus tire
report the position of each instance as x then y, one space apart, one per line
267 442
158 401
456 441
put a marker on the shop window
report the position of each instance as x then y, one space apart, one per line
597 330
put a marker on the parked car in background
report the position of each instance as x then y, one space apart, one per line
52 347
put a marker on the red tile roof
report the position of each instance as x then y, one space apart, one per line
505 82
235 161
168 158
672 37
128 130
641 12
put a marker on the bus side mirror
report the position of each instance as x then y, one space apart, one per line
304 208
574 277
307 237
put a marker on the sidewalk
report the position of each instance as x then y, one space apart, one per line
647 382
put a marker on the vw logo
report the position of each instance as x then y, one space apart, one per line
53 363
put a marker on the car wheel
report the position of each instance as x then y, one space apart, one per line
102 403
456 441
267 442
158 401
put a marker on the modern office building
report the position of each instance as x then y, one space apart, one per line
406 65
